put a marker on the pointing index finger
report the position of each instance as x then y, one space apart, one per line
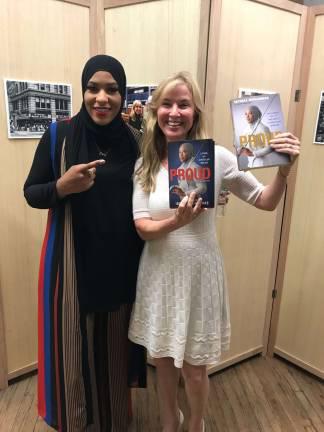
94 164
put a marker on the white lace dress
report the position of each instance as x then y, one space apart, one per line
181 308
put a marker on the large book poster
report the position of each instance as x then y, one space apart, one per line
256 120
191 165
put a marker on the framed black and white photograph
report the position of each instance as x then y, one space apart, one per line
319 131
31 106
252 92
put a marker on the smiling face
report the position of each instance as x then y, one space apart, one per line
138 109
176 112
102 98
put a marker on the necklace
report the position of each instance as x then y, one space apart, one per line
103 154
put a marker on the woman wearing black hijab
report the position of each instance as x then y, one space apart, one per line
82 172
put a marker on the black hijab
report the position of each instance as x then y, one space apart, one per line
108 64
83 128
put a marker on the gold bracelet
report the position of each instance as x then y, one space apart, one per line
281 174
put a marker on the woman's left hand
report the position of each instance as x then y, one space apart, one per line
286 143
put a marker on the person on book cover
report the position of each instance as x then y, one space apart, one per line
87 277
249 156
253 117
187 159
181 311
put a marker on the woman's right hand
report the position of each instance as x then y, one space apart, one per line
78 178
189 208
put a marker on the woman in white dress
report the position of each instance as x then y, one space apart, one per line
181 313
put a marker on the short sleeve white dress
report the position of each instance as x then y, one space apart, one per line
181 308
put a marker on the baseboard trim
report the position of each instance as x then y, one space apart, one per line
234 359
22 371
304 365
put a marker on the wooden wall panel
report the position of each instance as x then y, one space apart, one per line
45 40
249 54
154 39
300 330
97 27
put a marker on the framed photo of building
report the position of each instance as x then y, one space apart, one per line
319 131
32 105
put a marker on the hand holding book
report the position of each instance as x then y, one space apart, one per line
286 143
289 144
188 209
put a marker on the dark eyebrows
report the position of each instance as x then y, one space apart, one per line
109 84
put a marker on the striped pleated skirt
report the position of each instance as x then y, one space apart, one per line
84 359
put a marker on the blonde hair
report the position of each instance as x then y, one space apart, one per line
154 145
134 104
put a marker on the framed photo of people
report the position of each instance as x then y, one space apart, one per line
319 130
32 105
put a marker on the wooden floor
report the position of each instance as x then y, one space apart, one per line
261 394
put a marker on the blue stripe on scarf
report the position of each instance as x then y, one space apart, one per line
48 324
49 367
53 127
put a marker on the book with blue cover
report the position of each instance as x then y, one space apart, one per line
191 166
256 120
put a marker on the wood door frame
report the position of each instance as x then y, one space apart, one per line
97 27
296 122
96 23
204 34
3 350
